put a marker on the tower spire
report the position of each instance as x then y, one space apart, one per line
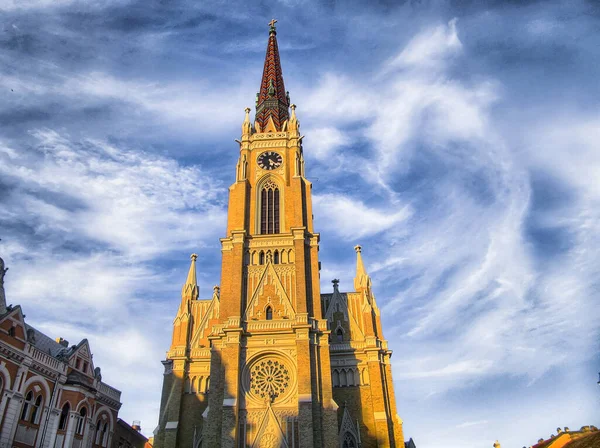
362 280
190 288
273 101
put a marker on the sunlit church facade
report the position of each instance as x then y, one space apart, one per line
270 361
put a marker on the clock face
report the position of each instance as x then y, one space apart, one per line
269 160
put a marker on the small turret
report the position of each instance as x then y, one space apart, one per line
362 281
190 289
246 125
293 124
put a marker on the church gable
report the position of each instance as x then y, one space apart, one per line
206 318
342 322
13 329
269 300
270 434
348 437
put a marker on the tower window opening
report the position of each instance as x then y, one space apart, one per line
261 258
339 335
269 313
276 257
269 209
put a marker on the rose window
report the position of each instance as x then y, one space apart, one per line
269 379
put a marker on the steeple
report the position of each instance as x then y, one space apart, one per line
190 288
362 280
272 101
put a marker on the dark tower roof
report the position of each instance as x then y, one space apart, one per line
272 100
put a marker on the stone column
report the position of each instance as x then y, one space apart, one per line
71 428
231 365
50 436
11 420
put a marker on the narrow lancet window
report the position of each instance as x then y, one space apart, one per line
269 209
269 313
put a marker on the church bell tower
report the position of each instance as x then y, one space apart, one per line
270 368
252 365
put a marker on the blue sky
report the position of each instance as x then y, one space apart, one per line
457 142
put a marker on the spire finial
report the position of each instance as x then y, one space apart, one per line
194 257
272 26
336 284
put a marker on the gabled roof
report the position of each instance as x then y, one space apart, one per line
45 343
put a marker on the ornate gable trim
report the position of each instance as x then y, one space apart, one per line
284 299
270 433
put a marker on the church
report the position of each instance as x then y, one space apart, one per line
270 361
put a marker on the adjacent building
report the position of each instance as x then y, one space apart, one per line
52 395
269 361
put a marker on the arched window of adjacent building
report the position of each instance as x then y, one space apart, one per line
105 435
194 385
269 313
269 208
207 384
26 412
64 417
339 335
36 412
261 258
356 377
276 257
98 435
81 421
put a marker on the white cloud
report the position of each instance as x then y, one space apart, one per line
468 424
325 142
133 202
352 218
429 49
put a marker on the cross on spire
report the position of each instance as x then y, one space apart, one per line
272 24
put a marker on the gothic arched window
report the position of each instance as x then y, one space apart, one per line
81 421
35 410
25 413
276 257
339 335
261 258
64 417
269 208
269 313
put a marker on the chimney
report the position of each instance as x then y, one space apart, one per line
137 425
63 342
